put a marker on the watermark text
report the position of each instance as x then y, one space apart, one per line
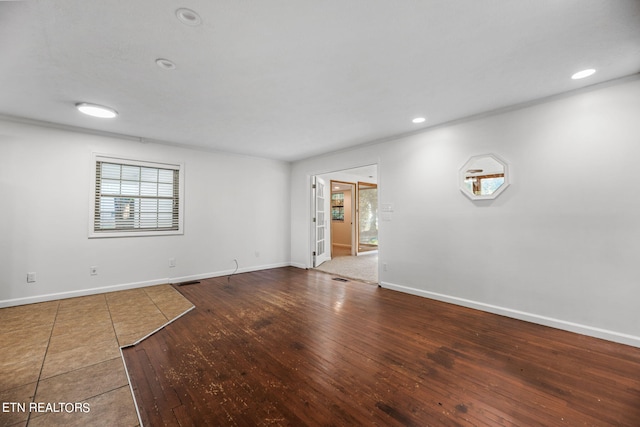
45 407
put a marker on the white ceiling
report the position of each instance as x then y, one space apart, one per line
290 79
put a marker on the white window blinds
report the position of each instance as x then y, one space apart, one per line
134 197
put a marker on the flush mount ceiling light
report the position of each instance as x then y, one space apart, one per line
188 17
96 110
419 120
165 64
582 74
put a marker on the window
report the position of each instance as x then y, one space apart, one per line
136 198
337 207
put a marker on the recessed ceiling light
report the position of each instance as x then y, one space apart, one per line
165 64
419 120
96 110
582 74
188 17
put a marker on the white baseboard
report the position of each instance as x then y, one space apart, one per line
80 293
134 285
591 331
299 265
227 272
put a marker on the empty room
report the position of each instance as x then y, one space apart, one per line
166 207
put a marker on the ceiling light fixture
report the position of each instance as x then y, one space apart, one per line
165 64
188 17
582 74
96 110
419 120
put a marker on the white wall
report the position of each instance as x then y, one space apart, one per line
559 247
235 207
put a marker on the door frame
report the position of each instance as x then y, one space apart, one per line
311 200
354 236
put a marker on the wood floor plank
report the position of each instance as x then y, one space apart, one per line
147 387
293 347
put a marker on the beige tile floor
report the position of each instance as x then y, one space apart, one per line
69 351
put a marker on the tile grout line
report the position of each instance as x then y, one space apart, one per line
44 358
126 371
162 312
113 326
157 308
78 369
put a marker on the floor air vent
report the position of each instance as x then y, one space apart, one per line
191 282
339 279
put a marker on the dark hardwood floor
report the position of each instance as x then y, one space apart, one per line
293 347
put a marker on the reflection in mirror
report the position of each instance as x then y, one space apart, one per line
483 177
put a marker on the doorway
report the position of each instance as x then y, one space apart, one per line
350 234
343 208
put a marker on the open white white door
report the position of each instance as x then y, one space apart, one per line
320 254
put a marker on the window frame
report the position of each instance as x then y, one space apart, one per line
130 161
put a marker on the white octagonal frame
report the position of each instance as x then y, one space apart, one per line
469 164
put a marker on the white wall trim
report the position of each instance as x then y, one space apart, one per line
299 265
591 331
140 139
80 293
226 272
134 285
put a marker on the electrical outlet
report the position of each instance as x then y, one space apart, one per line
93 271
172 262
31 277
384 266
257 254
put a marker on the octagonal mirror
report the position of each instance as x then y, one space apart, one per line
484 177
